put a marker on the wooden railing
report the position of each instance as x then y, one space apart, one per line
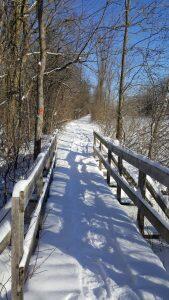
35 188
112 157
5 225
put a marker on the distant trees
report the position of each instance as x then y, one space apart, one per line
154 105
14 45
42 84
138 34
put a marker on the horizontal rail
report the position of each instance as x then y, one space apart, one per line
37 184
5 225
30 237
5 212
159 198
136 191
27 186
150 213
149 167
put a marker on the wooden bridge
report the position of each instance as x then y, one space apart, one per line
70 235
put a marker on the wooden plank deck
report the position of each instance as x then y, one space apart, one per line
89 248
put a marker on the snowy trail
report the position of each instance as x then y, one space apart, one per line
89 248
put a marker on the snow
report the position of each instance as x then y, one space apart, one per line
89 247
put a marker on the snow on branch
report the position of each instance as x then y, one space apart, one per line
49 53
2 103
32 7
2 76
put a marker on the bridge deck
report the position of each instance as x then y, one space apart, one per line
89 248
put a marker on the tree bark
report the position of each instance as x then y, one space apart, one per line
119 125
40 88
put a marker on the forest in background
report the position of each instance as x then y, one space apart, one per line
41 83
62 59
131 97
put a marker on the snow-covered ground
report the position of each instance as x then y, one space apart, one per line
89 247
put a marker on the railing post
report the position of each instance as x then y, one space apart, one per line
100 162
55 149
94 143
109 161
17 232
142 188
39 186
39 190
47 167
120 169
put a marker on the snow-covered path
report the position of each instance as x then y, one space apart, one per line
89 248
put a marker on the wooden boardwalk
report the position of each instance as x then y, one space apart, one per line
89 248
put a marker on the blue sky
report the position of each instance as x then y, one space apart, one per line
156 48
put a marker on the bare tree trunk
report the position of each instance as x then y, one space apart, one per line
41 70
119 126
159 114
